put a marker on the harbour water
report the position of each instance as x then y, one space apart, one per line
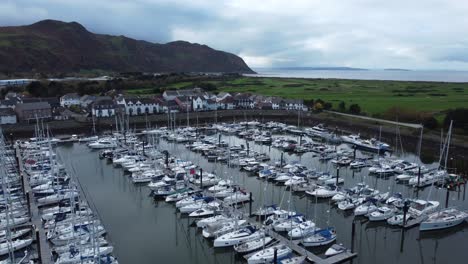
390 75
143 231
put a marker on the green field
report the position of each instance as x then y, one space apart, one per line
374 97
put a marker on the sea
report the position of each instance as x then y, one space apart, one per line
365 74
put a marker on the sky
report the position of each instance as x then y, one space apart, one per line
373 34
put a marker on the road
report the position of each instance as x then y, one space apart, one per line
411 125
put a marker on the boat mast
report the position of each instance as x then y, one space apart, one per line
449 137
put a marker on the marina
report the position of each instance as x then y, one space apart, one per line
253 169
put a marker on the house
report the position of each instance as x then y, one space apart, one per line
293 104
86 100
184 103
211 105
141 106
138 105
7 116
70 99
170 95
63 113
10 103
198 103
32 111
169 106
243 100
277 103
54 102
103 108
227 103
223 95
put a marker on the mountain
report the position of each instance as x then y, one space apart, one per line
54 46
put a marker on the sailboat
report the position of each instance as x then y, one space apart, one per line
267 255
446 218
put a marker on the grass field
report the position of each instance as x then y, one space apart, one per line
374 97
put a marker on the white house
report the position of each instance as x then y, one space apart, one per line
103 108
198 103
276 103
7 116
70 99
294 104
139 106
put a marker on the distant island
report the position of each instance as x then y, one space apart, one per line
396 69
51 46
321 69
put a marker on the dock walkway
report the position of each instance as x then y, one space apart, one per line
44 251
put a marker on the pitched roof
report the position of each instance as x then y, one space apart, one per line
70 96
6 112
33 106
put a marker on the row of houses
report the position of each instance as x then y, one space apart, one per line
187 100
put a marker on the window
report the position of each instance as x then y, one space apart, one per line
147 110
138 111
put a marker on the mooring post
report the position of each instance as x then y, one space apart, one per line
167 158
22 181
29 202
447 196
353 232
464 189
337 175
275 256
419 175
219 140
281 164
250 204
354 153
248 148
405 211
300 140
144 147
201 178
38 241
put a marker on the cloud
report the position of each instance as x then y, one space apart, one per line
418 34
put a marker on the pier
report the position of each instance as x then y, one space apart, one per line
43 246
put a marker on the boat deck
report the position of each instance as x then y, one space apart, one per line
44 251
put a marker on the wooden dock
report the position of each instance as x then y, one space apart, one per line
44 251
294 245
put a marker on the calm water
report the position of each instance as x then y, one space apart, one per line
395 75
143 231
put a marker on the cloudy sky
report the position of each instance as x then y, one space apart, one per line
416 34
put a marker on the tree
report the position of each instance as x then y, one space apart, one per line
327 106
342 107
309 102
430 122
36 89
355 109
459 117
318 106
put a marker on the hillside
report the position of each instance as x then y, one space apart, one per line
55 46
